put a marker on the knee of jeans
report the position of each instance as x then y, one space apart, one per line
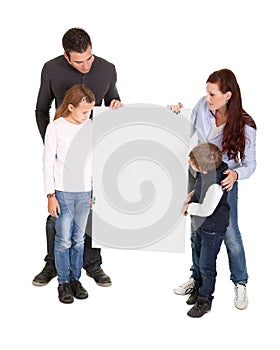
208 271
62 244
79 242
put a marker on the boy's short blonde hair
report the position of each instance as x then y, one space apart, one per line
206 156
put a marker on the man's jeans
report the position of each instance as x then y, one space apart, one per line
70 229
206 248
233 241
92 256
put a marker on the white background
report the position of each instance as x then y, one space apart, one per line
163 51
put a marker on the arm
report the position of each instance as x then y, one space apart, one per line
249 161
209 204
44 102
112 98
186 203
248 164
48 165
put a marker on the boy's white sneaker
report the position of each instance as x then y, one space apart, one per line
185 288
240 299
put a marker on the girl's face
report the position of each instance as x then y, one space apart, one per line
80 113
215 98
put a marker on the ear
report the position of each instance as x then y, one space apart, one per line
70 107
66 57
228 95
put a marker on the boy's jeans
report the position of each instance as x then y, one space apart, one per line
233 241
205 251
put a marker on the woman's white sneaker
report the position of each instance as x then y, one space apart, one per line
240 299
185 288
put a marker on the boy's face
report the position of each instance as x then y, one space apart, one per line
81 61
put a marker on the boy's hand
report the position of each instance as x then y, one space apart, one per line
185 209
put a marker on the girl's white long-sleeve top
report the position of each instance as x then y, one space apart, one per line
67 159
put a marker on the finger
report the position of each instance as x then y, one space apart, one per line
115 104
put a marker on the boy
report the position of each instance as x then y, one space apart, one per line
208 205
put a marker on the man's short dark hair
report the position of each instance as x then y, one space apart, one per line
77 40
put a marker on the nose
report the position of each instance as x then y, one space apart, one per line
207 98
85 65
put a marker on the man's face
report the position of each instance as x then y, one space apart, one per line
81 61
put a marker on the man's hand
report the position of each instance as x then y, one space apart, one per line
115 104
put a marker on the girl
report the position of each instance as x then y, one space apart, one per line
69 197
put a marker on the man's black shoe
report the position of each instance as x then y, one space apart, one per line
44 277
200 308
78 290
193 297
100 277
65 294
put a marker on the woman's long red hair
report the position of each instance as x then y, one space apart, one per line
233 142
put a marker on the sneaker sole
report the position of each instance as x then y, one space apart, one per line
198 316
66 302
241 307
104 284
179 293
107 284
39 284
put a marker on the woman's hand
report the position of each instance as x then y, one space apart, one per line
228 182
53 207
176 108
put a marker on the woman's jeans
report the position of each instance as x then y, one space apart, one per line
70 229
233 242
205 251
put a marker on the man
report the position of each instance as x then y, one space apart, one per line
76 65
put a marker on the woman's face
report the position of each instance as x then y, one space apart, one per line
215 98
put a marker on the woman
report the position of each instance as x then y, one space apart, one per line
219 118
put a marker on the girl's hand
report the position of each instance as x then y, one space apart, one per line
92 202
228 182
53 207
176 108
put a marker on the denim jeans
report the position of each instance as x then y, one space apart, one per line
92 256
233 241
70 230
206 248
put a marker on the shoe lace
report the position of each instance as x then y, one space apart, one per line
240 292
199 304
47 270
189 286
66 288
